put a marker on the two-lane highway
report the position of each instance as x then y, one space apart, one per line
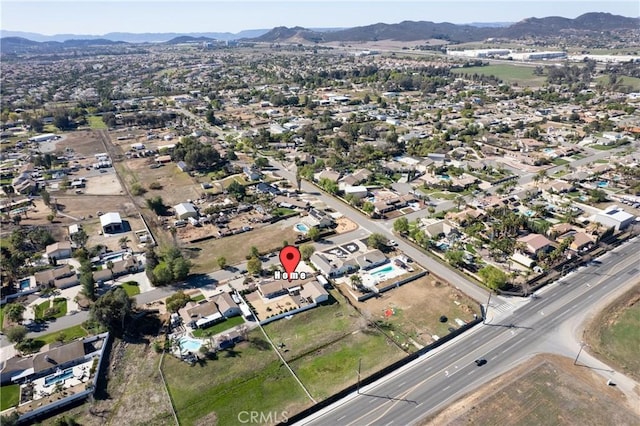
436 379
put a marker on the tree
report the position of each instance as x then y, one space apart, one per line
16 334
222 262
356 281
80 238
14 311
368 207
86 280
181 267
493 277
254 252
111 309
163 274
455 257
156 205
254 266
124 242
16 220
237 190
401 225
46 197
177 301
261 162
306 251
314 233
377 241
110 267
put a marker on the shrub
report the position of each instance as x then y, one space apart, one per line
155 185
137 189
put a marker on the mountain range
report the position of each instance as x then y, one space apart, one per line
595 22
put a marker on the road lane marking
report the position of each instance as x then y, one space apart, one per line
401 384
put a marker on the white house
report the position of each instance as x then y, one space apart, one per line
61 250
111 223
615 217
356 191
185 211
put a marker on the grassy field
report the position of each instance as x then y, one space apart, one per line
235 248
624 81
314 328
514 74
333 367
96 123
218 328
249 377
546 390
615 334
132 288
70 334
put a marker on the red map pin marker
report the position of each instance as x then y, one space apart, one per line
290 257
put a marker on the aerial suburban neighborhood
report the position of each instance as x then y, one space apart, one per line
457 201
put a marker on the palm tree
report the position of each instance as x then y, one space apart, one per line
124 242
356 281
109 266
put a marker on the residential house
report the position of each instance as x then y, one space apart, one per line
371 259
60 250
122 267
333 267
252 173
183 166
534 244
205 314
313 291
60 278
226 305
320 219
327 174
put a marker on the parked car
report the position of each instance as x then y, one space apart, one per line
480 362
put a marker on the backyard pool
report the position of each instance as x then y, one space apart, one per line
301 227
58 376
190 345
386 272
25 284
444 177
603 184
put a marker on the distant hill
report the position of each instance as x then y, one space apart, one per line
19 44
189 39
422 30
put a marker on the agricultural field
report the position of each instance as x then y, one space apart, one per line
614 335
546 390
624 81
509 74
411 313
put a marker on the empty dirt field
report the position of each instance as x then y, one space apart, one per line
84 142
546 390
412 311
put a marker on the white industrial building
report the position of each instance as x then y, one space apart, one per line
615 217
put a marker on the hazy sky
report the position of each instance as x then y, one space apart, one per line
100 17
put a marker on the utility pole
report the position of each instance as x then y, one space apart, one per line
359 368
575 361
484 320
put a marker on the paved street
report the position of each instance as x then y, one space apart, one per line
540 325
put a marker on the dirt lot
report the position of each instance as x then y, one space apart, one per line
546 390
84 142
345 225
413 311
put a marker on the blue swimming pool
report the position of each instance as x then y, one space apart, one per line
603 184
301 227
25 283
444 177
382 271
58 377
187 344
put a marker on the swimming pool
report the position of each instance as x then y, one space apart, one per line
444 177
58 377
25 283
385 272
188 344
603 184
301 227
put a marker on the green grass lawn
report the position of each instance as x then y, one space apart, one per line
132 288
248 377
96 123
60 305
281 211
1 317
70 334
507 73
198 298
218 328
9 396
559 161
